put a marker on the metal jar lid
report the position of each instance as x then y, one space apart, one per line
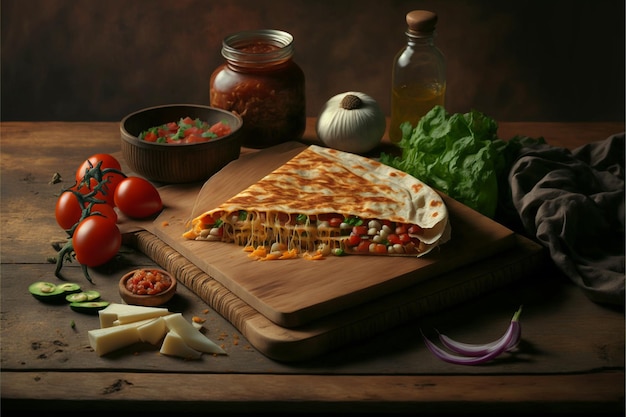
232 46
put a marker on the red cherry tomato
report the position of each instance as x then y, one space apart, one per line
96 241
67 210
108 161
112 179
106 191
105 210
137 198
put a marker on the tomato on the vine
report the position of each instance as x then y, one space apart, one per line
108 161
86 211
96 241
105 210
137 198
67 210
107 190
110 180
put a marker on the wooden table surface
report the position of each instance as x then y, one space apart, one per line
571 358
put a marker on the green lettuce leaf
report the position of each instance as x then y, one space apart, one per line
458 154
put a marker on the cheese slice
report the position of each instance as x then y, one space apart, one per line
152 332
174 345
123 325
111 338
116 314
191 336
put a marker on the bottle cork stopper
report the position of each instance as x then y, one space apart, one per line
421 22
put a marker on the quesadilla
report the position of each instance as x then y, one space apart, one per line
324 201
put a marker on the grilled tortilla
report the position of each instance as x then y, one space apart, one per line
328 201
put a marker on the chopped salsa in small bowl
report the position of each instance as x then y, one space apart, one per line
185 130
147 287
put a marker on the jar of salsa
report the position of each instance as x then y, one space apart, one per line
261 82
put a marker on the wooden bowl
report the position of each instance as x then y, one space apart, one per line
184 163
147 300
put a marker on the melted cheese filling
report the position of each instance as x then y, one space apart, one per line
274 229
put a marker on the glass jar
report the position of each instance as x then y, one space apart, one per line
261 82
419 74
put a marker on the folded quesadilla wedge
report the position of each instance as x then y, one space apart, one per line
326 201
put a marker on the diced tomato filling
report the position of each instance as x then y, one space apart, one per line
207 219
283 218
360 230
380 248
353 239
415 230
359 235
394 239
363 246
335 221
383 238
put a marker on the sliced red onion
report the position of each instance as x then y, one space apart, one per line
479 354
471 349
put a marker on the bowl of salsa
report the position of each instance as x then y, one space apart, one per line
148 287
180 143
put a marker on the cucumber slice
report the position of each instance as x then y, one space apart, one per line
69 287
89 307
79 297
92 295
52 293
46 292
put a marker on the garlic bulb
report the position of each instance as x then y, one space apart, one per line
351 122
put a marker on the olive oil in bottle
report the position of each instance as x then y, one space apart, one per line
419 74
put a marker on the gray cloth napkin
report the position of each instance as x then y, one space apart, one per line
572 202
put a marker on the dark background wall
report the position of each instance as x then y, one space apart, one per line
524 60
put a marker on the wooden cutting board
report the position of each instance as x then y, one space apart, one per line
356 323
296 292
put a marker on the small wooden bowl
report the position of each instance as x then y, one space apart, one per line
153 300
175 164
